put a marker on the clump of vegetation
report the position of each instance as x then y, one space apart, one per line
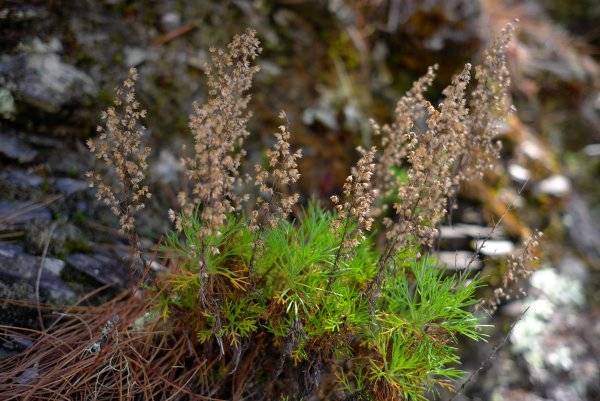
266 305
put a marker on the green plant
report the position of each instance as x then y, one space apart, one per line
267 307
316 294
399 343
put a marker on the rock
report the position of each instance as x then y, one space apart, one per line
66 163
15 266
70 186
325 115
269 69
515 395
518 173
458 260
14 148
592 150
167 168
574 268
50 83
353 118
453 238
15 212
556 185
10 250
469 215
44 141
41 79
584 228
198 60
555 338
29 375
495 248
30 264
7 104
474 231
6 353
21 178
134 56
38 46
14 315
459 236
40 234
102 268
557 288
533 149
156 266
61 238
12 344
170 20
54 266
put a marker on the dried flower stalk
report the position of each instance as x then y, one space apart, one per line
120 147
284 172
273 184
432 156
459 145
358 198
488 106
219 130
395 138
518 267
355 208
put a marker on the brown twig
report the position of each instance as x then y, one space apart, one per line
24 208
493 229
39 275
105 229
174 34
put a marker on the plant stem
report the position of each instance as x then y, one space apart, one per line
338 253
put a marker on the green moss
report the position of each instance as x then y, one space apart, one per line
341 47
45 185
74 245
80 216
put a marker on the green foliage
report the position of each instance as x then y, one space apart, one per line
419 319
401 340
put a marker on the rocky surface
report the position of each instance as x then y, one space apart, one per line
583 228
16 265
39 78
14 148
553 351
105 269
19 213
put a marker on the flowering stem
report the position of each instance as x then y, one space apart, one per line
338 254
261 229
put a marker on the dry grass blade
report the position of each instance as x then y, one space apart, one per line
39 274
103 353
24 208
